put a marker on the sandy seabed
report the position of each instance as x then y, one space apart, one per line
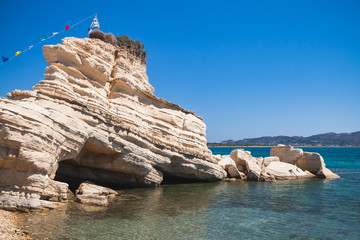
8 228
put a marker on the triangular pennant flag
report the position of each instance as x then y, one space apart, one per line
4 59
30 47
42 39
67 27
55 33
17 53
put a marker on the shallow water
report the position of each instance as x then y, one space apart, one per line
297 209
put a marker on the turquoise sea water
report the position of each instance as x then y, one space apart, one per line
297 209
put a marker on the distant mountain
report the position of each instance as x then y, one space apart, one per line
325 139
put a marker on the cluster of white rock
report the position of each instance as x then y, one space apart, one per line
285 162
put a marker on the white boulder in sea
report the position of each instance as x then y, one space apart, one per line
287 153
244 160
228 164
314 163
281 170
95 118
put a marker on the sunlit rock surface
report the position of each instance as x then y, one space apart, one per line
95 117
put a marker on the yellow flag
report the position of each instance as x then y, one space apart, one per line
17 53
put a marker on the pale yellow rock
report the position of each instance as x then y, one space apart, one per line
253 171
240 157
313 162
327 173
90 193
260 161
281 170
286 154
244 160
95 114
217 157
268 160
230 167
55 191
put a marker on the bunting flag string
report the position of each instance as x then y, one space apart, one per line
41 40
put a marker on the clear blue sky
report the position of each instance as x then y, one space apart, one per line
249 68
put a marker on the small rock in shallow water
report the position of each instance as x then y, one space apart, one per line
89 193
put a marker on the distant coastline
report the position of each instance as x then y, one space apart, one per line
295 146
320 140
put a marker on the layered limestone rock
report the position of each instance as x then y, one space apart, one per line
95 117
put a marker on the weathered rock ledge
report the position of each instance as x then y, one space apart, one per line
95 117
285 162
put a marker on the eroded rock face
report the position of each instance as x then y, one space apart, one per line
95 114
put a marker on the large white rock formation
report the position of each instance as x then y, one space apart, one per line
96 118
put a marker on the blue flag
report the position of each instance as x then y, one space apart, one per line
4 59
94 24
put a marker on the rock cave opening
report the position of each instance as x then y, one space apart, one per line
73 174
170 179
93 164
67 173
